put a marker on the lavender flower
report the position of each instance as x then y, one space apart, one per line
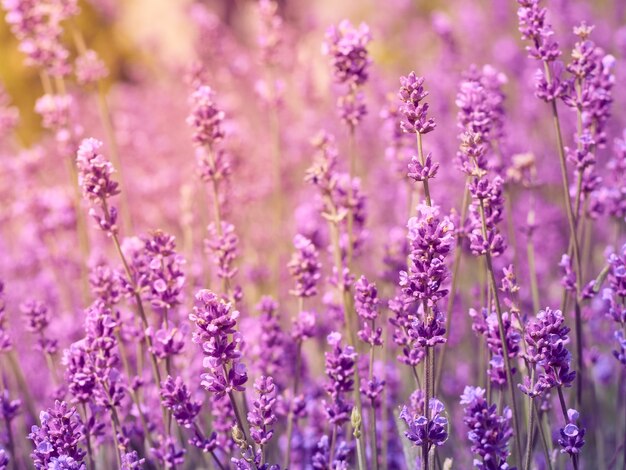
206 119
221 344
489 432
572 436
340 371
223 244
535 28
262 416
38 320
167 452
57 437
177 399
487 325
164 271
305 267
546 339
366 305
273 341
413 111
431 238
94 177
347 48
423 431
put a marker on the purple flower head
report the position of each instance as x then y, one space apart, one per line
487 202
58 436
206 119
572 437
167 452
366 299
94 177
489 432
413 111
535 28
419 172
9 408
430 238
262 416
106 283
428 330
221 344
481 103
347 48
423 431
305 267
164 275
487 325
273 341
224 247
177 399
80 372
131 461
546 339
303 326
38 318
340 362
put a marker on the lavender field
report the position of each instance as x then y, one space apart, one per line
295 234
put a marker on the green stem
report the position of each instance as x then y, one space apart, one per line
505 348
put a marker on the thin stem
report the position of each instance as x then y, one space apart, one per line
420 151
92 463
531 422
458 252
426 405
542 435
372 426
503 339
291 418
573 238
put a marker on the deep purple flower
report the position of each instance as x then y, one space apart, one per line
167 452
273 341
221 344
428 330
262 416
412 110
38 319
95 178
9 409
431 238
489 432
58 436
340 363
165 277
305 267
423 431
223 244
131 461
546 339
481 103
486 324
572 436
177 399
